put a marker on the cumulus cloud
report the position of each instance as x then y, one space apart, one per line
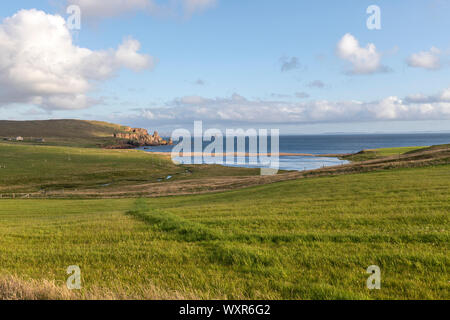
237 109
127 55
111 8
445 95
362 60
442 97
426 59
40 65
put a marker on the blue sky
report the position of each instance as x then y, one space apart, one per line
222 62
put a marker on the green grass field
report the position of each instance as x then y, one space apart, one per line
380 153
303 239
384 152
66 132
31 168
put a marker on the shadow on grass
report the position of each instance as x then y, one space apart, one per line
182 229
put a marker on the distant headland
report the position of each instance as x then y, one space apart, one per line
140 137
78 133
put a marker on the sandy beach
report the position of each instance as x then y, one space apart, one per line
247 154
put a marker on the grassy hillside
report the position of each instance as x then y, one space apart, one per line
371 154
69 172
302 239
80 133
309 238
57 128
425 149
29 168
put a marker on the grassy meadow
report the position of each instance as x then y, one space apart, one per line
302 239
66 132
36 168
371 154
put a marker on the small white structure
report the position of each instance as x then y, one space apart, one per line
19 138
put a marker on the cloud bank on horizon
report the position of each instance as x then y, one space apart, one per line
41 65
238 109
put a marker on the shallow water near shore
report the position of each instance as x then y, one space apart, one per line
332 144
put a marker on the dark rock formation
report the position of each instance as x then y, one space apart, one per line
140 137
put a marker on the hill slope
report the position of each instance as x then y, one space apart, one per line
34 169
66 132
58 128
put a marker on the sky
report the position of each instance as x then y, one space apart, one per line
298 66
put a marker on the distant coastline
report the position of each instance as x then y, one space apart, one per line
308 152
239 154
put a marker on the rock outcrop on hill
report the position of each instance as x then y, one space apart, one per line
140 137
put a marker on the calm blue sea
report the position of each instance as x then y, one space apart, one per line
338 143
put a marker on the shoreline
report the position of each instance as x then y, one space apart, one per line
247 154
302 164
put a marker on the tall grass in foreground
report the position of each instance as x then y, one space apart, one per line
304 239
16 288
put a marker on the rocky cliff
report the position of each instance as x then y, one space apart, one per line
140 137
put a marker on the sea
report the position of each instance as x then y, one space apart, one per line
332 144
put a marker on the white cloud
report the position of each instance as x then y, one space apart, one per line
362 60
105 9
39 64
239 110
127 55
426 59
443 96
194 6
110 8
